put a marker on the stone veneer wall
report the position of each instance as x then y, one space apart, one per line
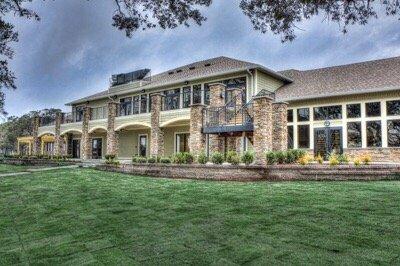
157 134
254 173
262 135
217 143
377 154
197 138
279 134
35 134
112 135
57 137
86 147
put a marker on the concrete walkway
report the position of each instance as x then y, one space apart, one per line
33 170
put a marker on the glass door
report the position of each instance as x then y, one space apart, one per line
142 145
97 148
328 140
182 142
76 148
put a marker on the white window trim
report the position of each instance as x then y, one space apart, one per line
175 143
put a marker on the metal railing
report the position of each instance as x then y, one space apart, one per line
229 115
69 118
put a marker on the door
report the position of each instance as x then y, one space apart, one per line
76 148
142 145
328 140
182 142
97 148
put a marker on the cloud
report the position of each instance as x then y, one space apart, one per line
73 50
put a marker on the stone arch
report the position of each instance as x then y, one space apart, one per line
71 131
46 133
97 128
140 124
175 121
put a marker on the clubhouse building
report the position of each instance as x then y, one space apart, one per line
224 104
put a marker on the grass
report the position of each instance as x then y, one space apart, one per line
84 216
8 168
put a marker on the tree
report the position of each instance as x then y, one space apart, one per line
278 16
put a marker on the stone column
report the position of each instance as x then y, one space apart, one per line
197 138
279 126
262 127
57 137
86 147
157 134
112 138
217 99
35 135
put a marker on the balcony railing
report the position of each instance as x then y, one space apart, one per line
71 117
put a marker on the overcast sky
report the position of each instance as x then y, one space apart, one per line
73 50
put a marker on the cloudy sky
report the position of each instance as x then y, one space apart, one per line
73 50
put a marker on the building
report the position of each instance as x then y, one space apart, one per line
225 104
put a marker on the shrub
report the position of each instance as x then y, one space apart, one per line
305 159
333 159
110 157
271 157
178 158
152 160
248 158
280 157
230 155
343 159
319 159
357 161
235 160
291 157
188 158
217 158
165 160
366 158
142 160
202 159
135 159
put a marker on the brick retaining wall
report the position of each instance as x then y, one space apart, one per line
255 173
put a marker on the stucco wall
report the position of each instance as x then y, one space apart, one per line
128 143
169 138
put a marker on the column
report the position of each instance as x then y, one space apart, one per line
112 135
217 99
262 127
57 137
279 126
35 134
197 138
157 134
86 147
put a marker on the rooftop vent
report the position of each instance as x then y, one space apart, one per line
191 68
170 73
207 65
125 78
179 71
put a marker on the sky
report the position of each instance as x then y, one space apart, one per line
73 51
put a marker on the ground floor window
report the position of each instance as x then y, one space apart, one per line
182 142
354 135
393 133
97 144
76 148
303 133
49 148
142 147
290 143
374 134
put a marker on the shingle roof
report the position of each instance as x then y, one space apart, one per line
211 67
370 76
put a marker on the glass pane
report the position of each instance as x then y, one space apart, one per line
353 110
126 106
143 146
303 114
171 99
394 133
290 137
290 116
143 104
136 106
373 109
206 94
197 93
374 134
303 132
393 107
328 112
354 134
186 97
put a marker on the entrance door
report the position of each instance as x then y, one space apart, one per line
76 148
327 141
142 145
97 148
182 142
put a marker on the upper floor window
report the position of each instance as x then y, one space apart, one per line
197 93
303 114
353 110
78 117
328 112
98 113
393 107
206 94
186 97
136 105
143 103
172 99
290 116
373 109
125 107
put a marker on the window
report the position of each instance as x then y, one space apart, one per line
125 107
79 113
328 112
393 107
303 114
354 134
206 94
303 134
143 103
98 113
186 97
373 109
171 99
290 116
374 134
136 105
353 110
393 133
182 142
197 93
142 147
290 143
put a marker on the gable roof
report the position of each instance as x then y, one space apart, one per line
199 70
357 78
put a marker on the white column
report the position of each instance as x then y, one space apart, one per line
363 126
384 125
344 127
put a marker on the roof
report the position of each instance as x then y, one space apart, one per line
203 69
370 76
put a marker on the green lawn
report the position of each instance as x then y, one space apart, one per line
7 168
83 216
